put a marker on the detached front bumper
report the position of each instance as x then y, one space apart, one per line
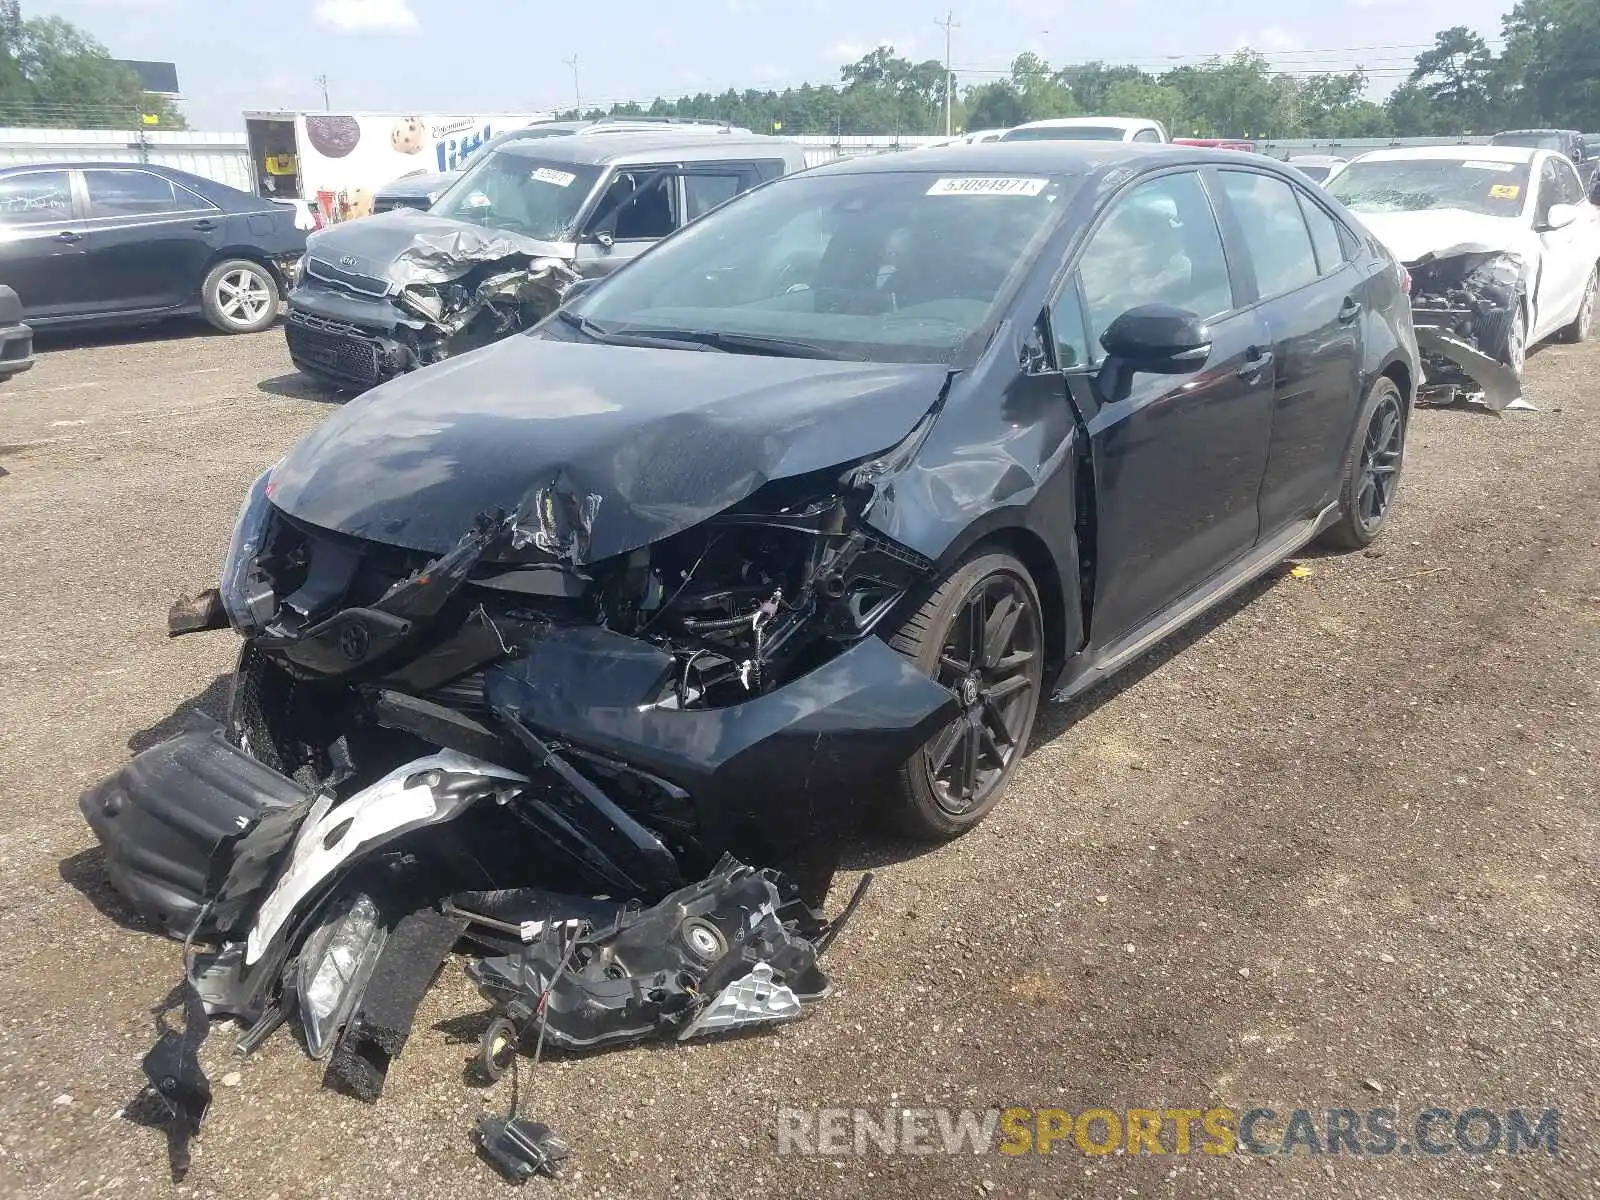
351 340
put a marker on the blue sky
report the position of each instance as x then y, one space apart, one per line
507 55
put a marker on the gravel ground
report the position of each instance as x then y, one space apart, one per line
1335 847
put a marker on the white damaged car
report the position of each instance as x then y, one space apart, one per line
1502 246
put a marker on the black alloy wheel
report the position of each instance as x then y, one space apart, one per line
981 635
1380 463
1372 468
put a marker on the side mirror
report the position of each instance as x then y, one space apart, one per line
1158 338
1560 216
577 288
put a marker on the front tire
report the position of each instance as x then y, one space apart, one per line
1371 469
981 634
239 296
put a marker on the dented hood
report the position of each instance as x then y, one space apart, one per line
1411 236
406 246
630 444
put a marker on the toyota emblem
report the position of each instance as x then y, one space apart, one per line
354 641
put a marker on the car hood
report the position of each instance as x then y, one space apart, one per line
1410 236
595 449
406 246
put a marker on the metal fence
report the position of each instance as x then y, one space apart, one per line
225 157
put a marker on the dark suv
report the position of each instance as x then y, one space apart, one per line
1570 142
392 292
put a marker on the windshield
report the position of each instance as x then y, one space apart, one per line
531 196
1537 141
1066 133
1496 189
887 266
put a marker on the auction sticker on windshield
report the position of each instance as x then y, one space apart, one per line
987 185
551 175
1504 191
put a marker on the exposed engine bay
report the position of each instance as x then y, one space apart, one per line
1464 304
490 302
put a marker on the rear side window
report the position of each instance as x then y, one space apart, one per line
130 194
1274 230
35 197
703 192
1324 236
1158 245
1147 135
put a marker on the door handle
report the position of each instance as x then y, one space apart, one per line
205 224
1349 310
67 235
1257 360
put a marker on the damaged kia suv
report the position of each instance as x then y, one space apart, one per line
395 291
799 517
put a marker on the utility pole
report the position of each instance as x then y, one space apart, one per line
576 90
948 24
322 81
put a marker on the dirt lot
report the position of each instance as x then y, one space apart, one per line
1335 848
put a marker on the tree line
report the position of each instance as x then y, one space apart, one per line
54 75
1546 74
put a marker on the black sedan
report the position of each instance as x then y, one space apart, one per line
91 243
803 513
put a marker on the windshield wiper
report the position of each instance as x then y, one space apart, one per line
734 343
582 324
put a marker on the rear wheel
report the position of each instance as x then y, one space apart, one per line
1372 468
980 634
240 296
1583 324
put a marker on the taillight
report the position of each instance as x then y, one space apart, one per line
1405 282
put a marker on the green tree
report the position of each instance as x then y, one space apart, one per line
1457 76
1550 69
54 74
1091 83
1238 97
1146 98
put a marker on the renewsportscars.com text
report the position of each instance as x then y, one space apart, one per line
1371 1132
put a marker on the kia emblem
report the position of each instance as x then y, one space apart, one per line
349 260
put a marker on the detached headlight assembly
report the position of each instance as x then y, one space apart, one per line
246 595
335 964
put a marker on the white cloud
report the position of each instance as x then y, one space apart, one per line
1276 40
360 16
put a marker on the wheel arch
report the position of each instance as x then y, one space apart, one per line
251 254
1060 610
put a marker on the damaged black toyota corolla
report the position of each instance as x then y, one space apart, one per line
801 514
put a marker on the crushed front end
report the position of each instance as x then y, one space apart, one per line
359 324
405 730
1466 304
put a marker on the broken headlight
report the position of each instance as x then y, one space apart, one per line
335 964
248 597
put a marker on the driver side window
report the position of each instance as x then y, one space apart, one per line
641 203
1159 245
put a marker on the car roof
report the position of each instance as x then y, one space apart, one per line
646 145
221 194
1045 158
1316 160
1510 154
1088 123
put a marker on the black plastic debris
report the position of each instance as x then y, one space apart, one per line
173 1068
381 1025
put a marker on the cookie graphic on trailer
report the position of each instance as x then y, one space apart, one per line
409 136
